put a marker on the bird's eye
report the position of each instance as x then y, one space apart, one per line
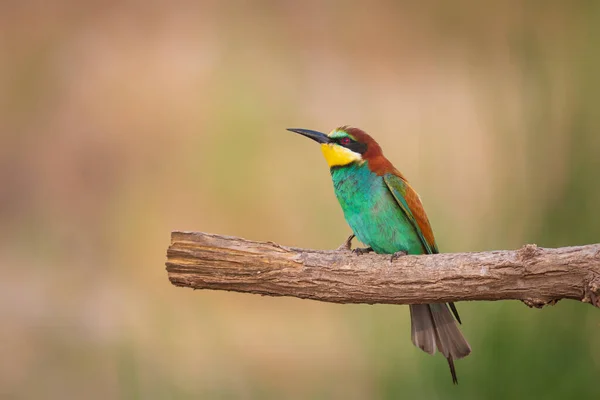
345 141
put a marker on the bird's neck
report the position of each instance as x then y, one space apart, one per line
352 175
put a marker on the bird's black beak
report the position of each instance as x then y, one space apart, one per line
314 135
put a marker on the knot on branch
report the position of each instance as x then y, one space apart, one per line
592 292
528 252
539 303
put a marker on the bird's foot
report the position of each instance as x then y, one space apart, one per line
362 250
397 255
347 245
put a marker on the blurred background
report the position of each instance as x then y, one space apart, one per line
123 121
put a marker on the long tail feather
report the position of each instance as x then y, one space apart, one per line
434 328
455 312
452 370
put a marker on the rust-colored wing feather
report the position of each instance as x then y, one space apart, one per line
410 202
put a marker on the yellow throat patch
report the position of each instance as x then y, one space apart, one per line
337 156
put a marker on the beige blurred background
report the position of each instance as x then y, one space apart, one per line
123 121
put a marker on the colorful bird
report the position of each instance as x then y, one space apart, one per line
386 214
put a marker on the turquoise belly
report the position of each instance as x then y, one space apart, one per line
372 212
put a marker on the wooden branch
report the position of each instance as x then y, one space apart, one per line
532 274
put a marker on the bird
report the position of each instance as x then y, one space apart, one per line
386 213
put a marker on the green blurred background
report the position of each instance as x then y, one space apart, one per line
123 121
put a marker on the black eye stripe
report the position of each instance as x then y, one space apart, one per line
355 146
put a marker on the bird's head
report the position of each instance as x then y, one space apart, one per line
346 145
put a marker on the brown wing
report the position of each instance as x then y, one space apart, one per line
410 202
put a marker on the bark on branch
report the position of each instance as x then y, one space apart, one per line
535 275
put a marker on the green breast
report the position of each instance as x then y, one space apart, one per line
372 212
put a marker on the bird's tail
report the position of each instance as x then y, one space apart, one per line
434 327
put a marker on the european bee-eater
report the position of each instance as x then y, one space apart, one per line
386 214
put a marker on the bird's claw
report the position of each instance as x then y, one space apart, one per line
397 255
347 245
362 250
